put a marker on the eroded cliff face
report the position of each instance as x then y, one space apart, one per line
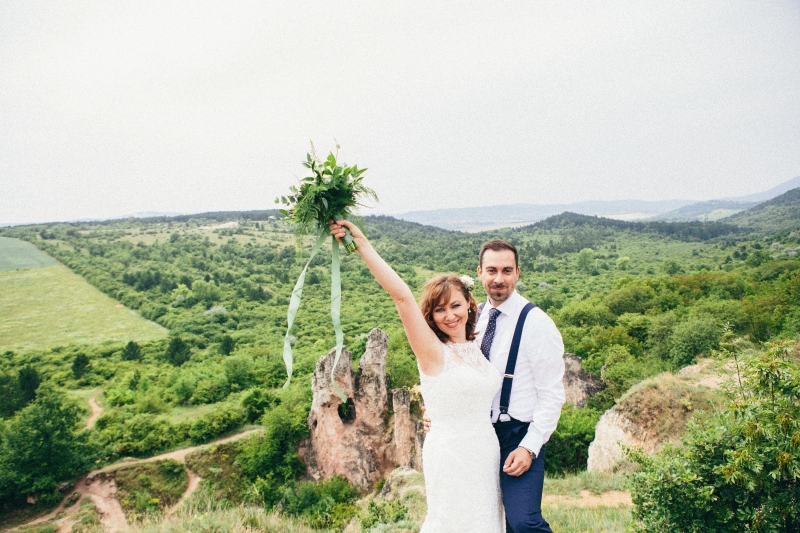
654 412
374 432
579 385
378 430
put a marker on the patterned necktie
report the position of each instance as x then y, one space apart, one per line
488 337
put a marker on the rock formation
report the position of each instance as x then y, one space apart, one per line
612 432
579 385
377 430
360 440
652 413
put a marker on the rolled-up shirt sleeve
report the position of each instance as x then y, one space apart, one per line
544 352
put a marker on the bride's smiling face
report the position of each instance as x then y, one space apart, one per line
450 316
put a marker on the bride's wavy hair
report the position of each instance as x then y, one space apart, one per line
437 292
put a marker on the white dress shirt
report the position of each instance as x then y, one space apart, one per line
537 391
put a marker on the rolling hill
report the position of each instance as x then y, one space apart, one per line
775 215
476 219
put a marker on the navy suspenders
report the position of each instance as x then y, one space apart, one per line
511 364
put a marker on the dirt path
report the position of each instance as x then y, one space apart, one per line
96 411
613 498
194 484
178 455
103 490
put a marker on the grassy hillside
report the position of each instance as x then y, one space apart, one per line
20 255
52 306
711 210
779 214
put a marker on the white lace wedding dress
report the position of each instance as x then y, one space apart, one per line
461 456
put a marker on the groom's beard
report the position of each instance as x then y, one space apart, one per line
499 293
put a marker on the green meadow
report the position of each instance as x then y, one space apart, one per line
52 306
20 255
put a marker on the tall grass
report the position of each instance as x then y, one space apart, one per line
569 519
594 482
203 513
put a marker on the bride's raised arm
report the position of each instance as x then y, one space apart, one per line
424 342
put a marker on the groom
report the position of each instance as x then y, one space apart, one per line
525 418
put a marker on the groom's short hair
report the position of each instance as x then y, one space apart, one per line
498 245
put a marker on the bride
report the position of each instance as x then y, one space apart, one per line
461 455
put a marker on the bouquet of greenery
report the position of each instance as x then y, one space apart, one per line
330 193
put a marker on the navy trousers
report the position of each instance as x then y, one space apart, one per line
522 495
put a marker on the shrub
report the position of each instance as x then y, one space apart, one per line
39 448
586 313
206 292
226 345
381 512
568 447
326 505
124 433
586 259
177 351
153 311
658 334
28 381
736 472
693 337
636 325
622 371
271 458
239 371
256 402
150 403
670 267
79 365
184 388
723 312
211 390
222 420
630 299
401 365
131 352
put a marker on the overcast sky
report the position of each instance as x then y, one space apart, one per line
111 108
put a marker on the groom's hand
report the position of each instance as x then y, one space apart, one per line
518 462
426 422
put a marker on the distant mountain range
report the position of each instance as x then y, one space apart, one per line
502 216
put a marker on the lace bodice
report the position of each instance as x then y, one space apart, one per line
463 391
461 455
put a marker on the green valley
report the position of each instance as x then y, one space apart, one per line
181 327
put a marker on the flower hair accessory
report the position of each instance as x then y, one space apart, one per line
468 282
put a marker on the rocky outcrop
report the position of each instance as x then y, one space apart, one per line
652 413
377 430
579 385
362 440
613 431
408 431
